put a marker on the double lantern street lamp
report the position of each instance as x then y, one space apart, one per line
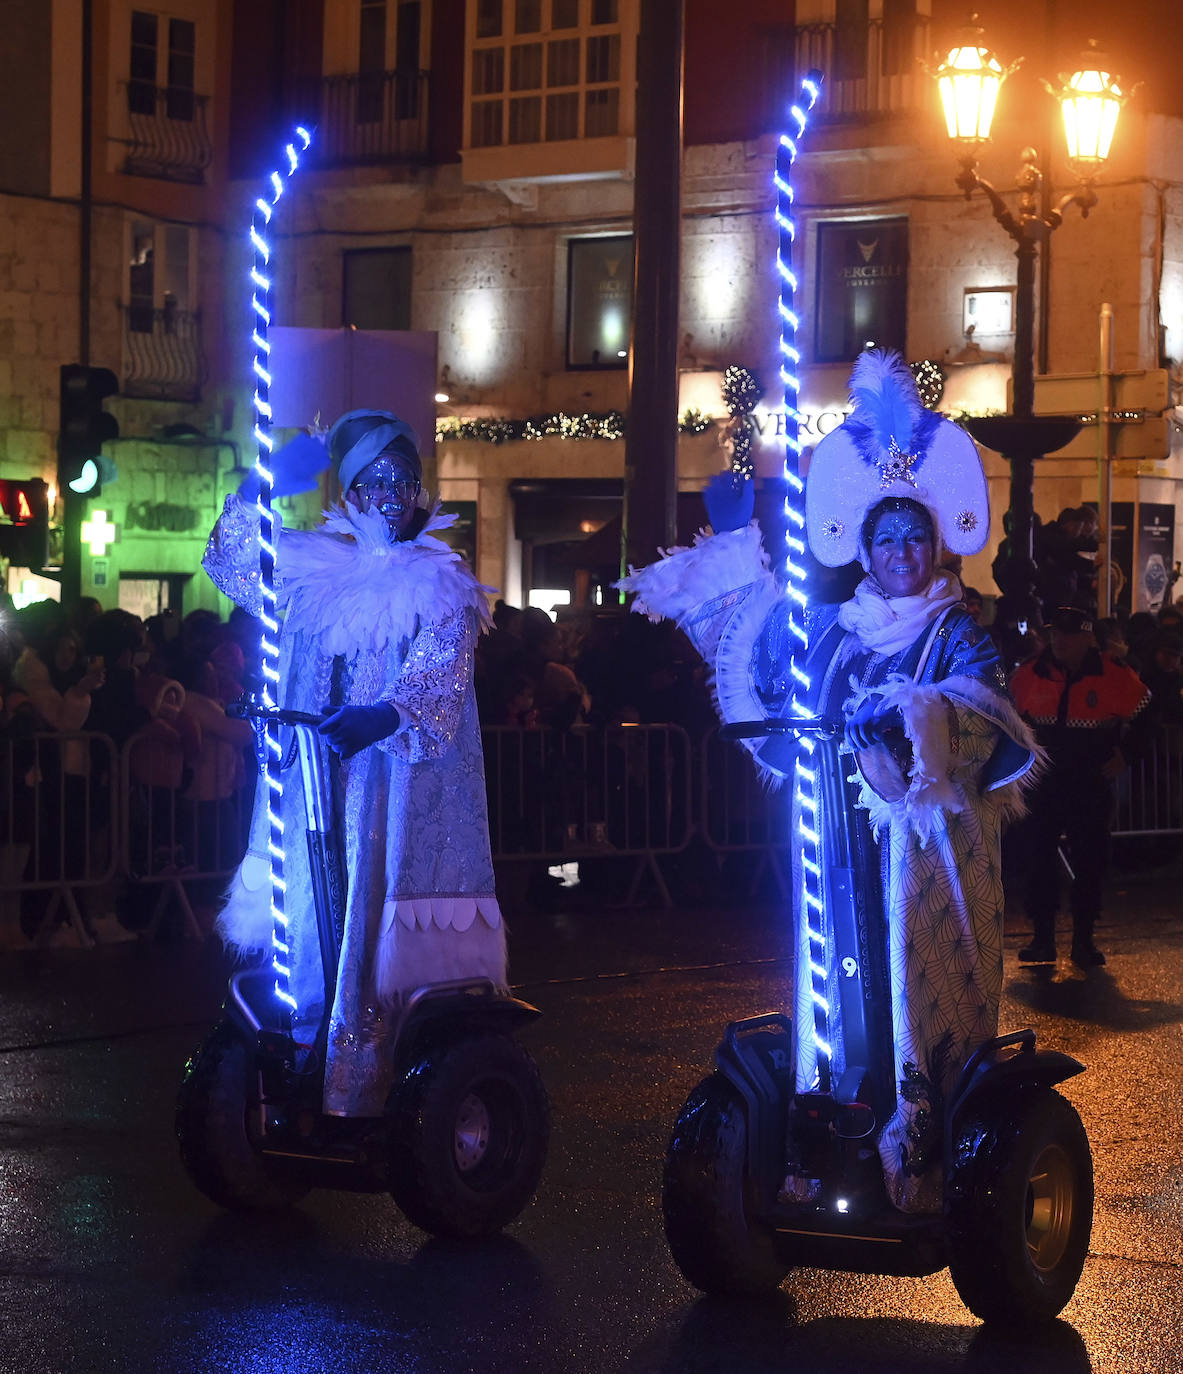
969 81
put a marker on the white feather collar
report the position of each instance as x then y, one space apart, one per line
355 588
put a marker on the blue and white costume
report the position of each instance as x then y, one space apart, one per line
368 620
924 854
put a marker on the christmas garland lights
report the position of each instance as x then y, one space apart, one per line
608 424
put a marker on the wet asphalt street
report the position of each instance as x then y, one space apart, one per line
110 1260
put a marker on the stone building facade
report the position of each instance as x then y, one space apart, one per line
453 199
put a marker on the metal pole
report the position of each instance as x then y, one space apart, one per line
1105 457
651 442
1022 466
72 504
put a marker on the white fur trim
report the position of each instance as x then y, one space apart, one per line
410 956
354 588
245 921
932 788
684 579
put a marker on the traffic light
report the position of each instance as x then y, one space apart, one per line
24 537
84 426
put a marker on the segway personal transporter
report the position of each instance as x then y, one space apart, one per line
1017 1170
461 1144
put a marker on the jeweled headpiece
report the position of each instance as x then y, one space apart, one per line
892 446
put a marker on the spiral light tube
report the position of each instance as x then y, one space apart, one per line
806 790
269 640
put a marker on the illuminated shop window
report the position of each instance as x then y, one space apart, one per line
988 310
862 287
543 71
599 301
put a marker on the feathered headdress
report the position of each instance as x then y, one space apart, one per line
892 446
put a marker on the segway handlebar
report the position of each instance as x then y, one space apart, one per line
246 709
780 725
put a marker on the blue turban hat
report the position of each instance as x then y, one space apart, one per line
359 436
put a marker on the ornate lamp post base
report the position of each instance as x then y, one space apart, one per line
1021 440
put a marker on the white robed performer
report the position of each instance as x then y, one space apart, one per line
381 620
895 486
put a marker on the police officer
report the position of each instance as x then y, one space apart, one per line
1088 712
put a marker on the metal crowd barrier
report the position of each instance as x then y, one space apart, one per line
739 814
561 795
59 825
1150 794
171 841
76 814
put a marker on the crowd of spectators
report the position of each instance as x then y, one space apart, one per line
158 690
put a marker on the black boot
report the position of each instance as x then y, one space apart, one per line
1042 949
1084 952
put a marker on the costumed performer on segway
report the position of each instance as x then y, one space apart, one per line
380 627
939 752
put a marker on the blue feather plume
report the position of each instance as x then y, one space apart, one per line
885 398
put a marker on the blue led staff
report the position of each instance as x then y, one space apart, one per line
807 796
269 640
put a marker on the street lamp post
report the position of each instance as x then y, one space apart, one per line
969 81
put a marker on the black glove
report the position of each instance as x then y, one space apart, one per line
352 728
870 724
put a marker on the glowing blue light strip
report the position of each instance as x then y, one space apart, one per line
808 802
269 648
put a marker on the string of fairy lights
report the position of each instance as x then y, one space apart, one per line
261 278
806 790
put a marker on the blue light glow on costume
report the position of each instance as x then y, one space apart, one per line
269 649
812 906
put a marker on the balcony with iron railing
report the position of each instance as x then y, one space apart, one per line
366 118
167 134
871 69
162 354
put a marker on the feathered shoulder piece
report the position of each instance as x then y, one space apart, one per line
356 588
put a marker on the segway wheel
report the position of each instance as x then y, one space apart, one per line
713 1241
1020 1207
470 1124
214 1130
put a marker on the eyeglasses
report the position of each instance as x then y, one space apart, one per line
404 489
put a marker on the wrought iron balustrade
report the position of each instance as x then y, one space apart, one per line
162 354
366 118
168 138
871 68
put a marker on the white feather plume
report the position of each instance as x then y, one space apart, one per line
885 397
356 588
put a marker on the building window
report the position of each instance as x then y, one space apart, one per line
158 275
850 40
900 25
599 301
377 289
389 36
862 287
162 61
162 349
539 75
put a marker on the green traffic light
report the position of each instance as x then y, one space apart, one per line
86 479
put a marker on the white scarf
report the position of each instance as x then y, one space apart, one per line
887 624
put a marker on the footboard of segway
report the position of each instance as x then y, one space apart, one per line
464 1006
